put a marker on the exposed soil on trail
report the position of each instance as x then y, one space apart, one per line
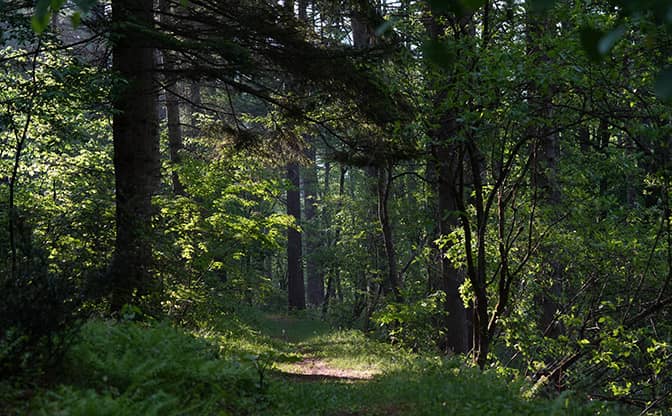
311 368
315 369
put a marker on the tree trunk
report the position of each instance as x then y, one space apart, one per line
295 285
193 107
448 167
334 281
546 152
136 152
313 273
457 335
172 108
384 185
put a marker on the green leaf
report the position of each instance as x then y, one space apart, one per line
43 10
39 23
56 5
459 7
40 19
663 85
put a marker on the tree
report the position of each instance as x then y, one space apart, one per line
314 276
295 283
445 168
172 106
136 150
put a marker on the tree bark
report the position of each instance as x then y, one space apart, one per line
546 152
383 186
295 284
314 276
448 167
193 107
136 152
457 334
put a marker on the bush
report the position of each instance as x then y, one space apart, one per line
412 325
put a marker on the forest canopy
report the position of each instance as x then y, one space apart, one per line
480 181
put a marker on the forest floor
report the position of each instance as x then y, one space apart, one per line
256 363
344 373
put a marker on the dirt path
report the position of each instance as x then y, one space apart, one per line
312 368
295 332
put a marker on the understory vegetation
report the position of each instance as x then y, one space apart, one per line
249 367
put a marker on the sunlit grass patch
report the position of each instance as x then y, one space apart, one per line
295 327
352 349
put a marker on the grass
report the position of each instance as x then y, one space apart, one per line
406 383
244 367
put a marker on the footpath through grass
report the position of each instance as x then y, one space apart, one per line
271 364
359 376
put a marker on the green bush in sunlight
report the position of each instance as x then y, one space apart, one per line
413 324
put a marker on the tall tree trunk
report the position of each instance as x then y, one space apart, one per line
448 167
295 280
314 275
136 151
193 107
457 335
172 107
363 36
295 285
546 152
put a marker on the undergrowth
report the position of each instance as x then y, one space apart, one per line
135 369
240 366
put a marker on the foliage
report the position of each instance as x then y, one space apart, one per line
54 201
128 367
215 240
38 322
413 324
517 150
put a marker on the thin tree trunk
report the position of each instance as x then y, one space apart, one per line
295 284
172 108
384 185
193 107
314 276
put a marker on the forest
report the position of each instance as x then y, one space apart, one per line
335 207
